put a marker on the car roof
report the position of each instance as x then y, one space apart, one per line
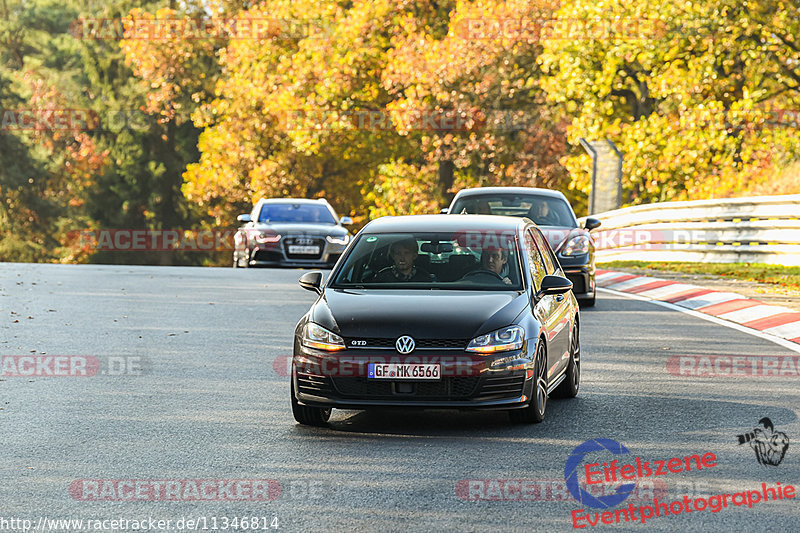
445 223
292 201
510 190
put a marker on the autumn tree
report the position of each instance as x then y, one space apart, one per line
692 94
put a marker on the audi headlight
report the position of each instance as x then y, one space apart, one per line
333 239
263 237
315 336
501 340
578 245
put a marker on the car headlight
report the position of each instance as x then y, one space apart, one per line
315 336
333 239
263 237
578 245
501 340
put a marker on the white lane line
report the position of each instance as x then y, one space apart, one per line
710 318
754 313
711 298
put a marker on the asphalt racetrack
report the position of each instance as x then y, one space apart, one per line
187 383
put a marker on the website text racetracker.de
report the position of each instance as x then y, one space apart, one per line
194 523
72 366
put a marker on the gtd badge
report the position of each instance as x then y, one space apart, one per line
404 344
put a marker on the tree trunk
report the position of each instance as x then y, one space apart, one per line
446 168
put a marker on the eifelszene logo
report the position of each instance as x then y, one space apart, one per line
770 445
571 474
637 469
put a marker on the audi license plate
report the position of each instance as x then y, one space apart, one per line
309 250
404 371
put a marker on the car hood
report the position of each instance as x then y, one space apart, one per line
299 228
557 236
423 314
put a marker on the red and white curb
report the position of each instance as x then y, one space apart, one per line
753 314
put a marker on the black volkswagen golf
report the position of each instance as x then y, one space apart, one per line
425 311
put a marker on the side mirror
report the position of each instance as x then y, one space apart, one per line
552 284
313 280
591 223
444 211
346 221
243 218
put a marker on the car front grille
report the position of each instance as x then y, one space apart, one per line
444 389
502 387
420 344
304 241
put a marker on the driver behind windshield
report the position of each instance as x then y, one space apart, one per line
495 261
403 254
541 214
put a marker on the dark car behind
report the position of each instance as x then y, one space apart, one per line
290 232
551 211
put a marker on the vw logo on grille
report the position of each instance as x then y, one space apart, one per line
404 344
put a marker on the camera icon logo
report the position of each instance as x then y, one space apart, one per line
770 445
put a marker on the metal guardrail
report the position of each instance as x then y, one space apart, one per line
758 229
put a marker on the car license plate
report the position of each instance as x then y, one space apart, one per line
404 371
309 250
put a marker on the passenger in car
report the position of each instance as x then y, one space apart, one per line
403 254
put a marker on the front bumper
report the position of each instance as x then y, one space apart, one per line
277 255
467 382
580 271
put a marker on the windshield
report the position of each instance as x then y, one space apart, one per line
466 260
309 213
543 210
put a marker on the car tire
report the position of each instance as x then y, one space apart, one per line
309 416
534 412
569 387
588 302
